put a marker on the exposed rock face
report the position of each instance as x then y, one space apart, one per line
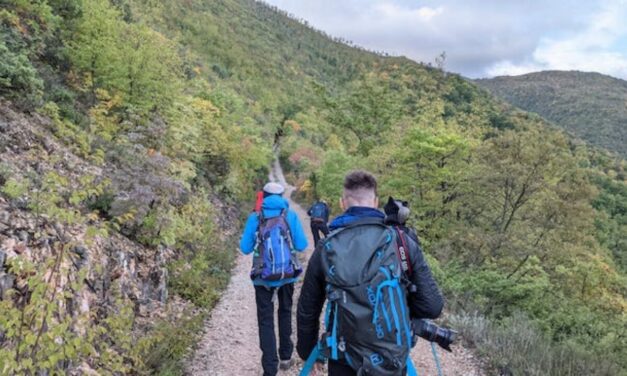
141 271
110 265
90 264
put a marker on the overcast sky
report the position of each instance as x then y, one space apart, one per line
482 38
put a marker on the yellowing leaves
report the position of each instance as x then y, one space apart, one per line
204 107
293 125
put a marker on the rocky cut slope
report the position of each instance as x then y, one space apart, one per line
73 286
35 227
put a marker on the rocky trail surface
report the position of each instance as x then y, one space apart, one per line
230 344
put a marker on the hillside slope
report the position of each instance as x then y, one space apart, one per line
591 106
177 106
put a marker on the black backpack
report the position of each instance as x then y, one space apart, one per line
367 318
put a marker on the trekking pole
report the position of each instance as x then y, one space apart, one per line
309 363
411 370
437 360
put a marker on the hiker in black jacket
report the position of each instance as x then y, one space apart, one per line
319 216
360 202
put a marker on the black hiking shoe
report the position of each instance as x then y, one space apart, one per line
286 364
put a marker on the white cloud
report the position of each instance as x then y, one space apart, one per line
481 37
396 13
507 68
591 49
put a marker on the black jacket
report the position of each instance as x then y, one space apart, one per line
425 303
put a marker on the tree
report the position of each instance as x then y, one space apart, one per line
424 164
18 77
151 66
367 110
94 47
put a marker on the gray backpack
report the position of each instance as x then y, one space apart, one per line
367 318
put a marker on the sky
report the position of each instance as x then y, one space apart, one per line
481 38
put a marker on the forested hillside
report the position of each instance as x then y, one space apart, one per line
591 106
171 109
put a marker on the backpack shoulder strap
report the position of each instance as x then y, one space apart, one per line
402 250
283 215
260 221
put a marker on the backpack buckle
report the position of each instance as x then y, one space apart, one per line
333 295
341 345
325 349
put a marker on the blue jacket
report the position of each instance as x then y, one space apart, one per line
272 207
354 213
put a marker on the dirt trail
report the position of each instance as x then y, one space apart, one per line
230 344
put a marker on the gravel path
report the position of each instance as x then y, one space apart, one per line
230 345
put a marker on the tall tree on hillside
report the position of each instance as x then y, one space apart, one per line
425 164
152 68
94 47
368 110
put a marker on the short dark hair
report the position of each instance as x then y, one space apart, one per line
360 180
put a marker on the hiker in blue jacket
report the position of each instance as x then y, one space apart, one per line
258 237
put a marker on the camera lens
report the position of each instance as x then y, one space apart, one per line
433 333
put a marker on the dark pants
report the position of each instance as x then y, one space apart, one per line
265 320
316 228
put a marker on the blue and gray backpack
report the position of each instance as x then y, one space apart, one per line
367 318
274 258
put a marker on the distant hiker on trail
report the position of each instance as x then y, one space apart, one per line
319 214
274 234
357 270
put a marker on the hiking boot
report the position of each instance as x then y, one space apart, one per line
286 364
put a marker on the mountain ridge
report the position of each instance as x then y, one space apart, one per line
590 105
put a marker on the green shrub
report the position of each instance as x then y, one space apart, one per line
18 78
201 278
15 188
5 173
41 336
516 346
66 131
163 351
67 102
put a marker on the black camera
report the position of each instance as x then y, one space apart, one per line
433 333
